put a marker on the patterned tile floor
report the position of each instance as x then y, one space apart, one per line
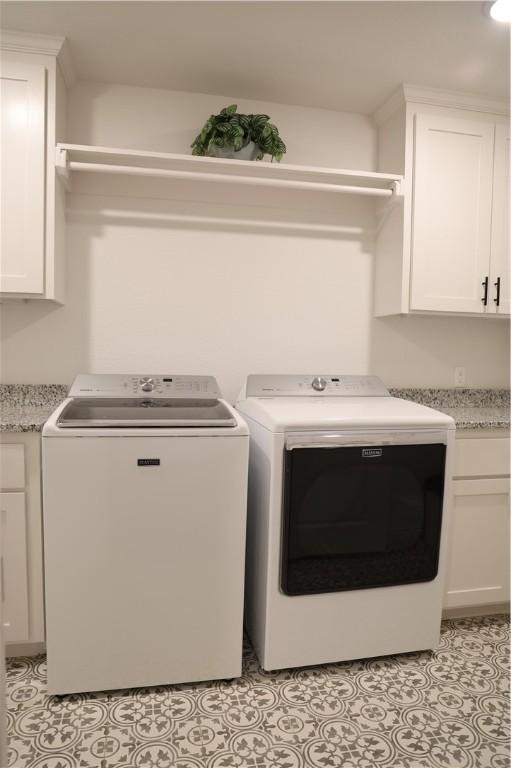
446 709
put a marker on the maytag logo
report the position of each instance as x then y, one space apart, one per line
369 453
148 462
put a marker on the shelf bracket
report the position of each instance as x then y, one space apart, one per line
62 167
385 209
396 189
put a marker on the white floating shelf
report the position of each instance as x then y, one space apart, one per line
83 158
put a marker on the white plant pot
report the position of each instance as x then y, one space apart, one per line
249 152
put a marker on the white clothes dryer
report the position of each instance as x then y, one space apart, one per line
347 519
144 507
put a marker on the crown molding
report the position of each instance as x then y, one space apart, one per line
440 98
27 42
389 106
461 100
49 45
66 64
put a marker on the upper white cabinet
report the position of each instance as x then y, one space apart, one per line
446 249
451 214
32 209
500 275
22 172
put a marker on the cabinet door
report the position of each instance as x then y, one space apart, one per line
478 569
500 245
13 548
23 102
3 707
451 214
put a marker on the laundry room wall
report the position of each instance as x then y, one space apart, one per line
194 278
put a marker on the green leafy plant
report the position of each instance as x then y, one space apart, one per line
232 129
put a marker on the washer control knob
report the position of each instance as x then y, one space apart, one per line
319 383
148 386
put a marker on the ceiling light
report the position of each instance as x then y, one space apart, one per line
501 10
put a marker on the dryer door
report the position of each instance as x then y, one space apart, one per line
361 513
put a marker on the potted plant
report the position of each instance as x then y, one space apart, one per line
242 137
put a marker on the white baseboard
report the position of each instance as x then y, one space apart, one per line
475 610
24 649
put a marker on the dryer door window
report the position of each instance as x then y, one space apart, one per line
356 517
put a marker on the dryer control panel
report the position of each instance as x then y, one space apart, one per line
331 385
143 385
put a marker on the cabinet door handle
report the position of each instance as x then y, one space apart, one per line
485 286
497 297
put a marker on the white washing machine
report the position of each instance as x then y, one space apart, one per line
144 506
347 519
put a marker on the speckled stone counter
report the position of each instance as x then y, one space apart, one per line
470 408
25 407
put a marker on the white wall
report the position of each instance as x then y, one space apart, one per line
175 277
168 121
417 351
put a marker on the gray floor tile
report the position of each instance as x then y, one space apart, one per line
443 709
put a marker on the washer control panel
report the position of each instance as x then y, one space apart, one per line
259 385
161 385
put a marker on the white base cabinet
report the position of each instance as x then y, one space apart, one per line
21 545
3 714
479 564
479 559
14 566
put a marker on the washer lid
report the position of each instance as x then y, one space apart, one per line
144 412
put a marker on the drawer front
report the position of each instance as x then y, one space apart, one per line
484 457
12 466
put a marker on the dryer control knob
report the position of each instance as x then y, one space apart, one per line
319 383
147 387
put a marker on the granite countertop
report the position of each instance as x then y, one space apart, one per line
470 408
25 407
